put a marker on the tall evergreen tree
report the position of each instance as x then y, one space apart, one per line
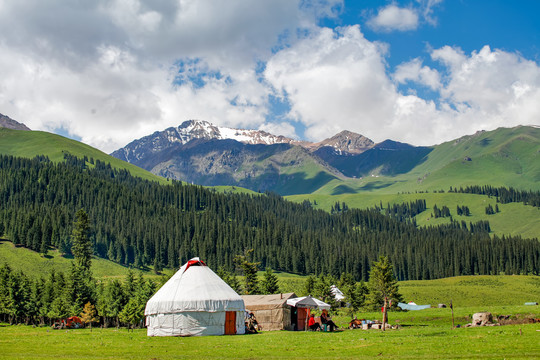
382 284
269 283
82 284
249 270
81 247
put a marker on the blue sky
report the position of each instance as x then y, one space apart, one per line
418 71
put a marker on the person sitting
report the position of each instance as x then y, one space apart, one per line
312 324
252 326
325 319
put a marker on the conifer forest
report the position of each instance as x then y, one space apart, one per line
139 223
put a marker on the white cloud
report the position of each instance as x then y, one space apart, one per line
329 79
113 71
501 88
337 80
427 10
414 71
279 128
105 70
392 18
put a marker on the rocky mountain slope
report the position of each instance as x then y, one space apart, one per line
7 122
202 153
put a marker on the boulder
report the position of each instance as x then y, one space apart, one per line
482 319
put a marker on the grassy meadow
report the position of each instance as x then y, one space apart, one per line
32 143
34 264
426 334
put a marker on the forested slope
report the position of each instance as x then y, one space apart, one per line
138 222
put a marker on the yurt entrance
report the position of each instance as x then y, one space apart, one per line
230 322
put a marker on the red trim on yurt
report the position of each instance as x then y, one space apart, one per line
195 263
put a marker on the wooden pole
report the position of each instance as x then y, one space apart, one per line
385 314
452 308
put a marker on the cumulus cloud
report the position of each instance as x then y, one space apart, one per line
334 80
414 71
392 18
111 71
498 86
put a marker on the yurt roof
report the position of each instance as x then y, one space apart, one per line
195 287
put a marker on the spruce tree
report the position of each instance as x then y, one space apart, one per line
269 284
249 269
382 283
81 247
82 284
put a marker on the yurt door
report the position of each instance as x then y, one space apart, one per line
302 318
230 323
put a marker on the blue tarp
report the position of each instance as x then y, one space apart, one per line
413 307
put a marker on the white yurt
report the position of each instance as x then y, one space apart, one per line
195 302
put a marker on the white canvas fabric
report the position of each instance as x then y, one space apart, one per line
193 302
320 304
191 323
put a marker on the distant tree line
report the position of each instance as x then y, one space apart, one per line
405 211
140 223
504 195
491 211
444 211
463 210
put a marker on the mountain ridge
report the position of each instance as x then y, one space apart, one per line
9 123
338 163
192 152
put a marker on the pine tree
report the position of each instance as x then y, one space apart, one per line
132 313
80 237
249 269
309 285
269 284
382 283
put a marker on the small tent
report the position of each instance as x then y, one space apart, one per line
301 308
338 294
271 311
195 301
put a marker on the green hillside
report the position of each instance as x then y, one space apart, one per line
473 290
507 157
503 157
32 143
513 218
36 265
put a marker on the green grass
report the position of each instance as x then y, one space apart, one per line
488 290
423 335
36 265
32 143
513 218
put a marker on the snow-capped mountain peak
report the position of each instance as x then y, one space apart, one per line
191 130
201 129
